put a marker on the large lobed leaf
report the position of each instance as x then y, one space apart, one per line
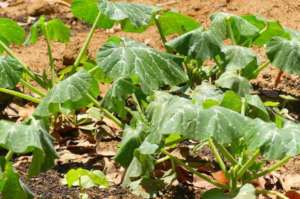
285 54
10 72
11 185
174 22
133 17
128 58
10 32
55 29
87 11
31 137
197 44
172 114
69 95
231 26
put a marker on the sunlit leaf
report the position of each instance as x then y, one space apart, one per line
128 58
10 72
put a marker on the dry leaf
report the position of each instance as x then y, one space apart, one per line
220 177
293 195
112 172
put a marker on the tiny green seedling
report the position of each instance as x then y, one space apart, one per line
85 179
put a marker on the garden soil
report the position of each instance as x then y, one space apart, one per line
48 184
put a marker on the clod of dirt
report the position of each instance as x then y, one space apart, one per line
39 7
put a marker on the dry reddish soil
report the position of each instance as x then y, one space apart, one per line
47 185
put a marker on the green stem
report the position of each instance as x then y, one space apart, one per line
268 192
51 60
138 106
106 112
9 155
230 31
248 164
86 43
261 67
27 70
244 106
20 95
161 160
217 155
272 168
162 36
192 170
226 154
32 88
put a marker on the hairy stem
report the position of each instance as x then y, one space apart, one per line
20 95
32 88
51 60
192 170
106 112
273 167
160 31
86 43
226 154
248 164
9 155
217 155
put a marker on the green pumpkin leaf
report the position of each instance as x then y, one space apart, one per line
247 191
128 58
172 114
10 72
235 82
243 32
31 137
115 98
268 29
284 54
240 58
132 139
174 22
10 32
68 95
205 92
257 107
55 29
87 178
133 17
11 184
87 11
197 44
232 101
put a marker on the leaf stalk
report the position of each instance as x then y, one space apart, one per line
20 95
